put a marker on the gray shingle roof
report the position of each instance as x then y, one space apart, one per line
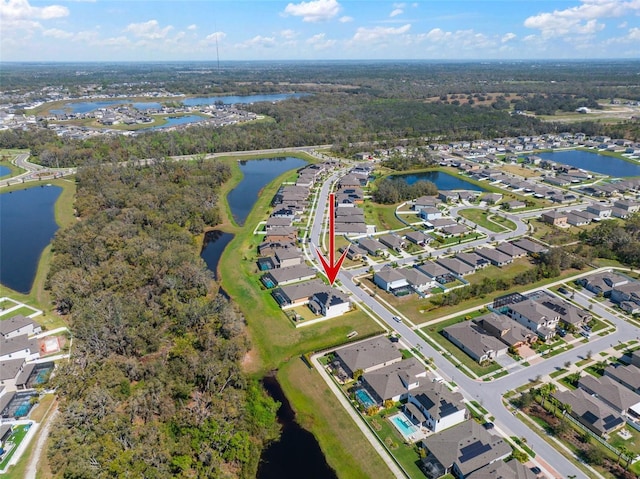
368 354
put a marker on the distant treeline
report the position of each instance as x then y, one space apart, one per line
154 387
394 190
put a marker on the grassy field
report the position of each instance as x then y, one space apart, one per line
481 218
318 410
519 170
383 216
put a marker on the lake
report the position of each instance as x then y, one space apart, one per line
444 181
214 244
28 225
606 165
87 106
297 453
4 171
256 174
177 120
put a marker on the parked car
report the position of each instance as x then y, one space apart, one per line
586 334
488 425
586 327
563 290
562 333
397 319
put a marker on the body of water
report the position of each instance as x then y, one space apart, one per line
606 165
28 225
4 171
444 181
297 453
177 120
256 175
214 244
87 106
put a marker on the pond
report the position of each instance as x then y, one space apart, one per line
444 181
297 453
177 120
214 244
28 225
256 175
606 165
4 171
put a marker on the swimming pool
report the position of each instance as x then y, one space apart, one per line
404 425
365 398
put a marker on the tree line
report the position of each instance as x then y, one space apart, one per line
154 387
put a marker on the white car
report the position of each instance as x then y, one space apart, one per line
397 319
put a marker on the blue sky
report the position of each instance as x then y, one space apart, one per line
154 30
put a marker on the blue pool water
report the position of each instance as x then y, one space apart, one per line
268 283
403 425
364 398
23 409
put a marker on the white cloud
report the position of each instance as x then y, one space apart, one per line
319 42
12 10
148 30
508 37
396 12
379 33
288 34
314 10
192 27
258 41
345 19
215 36
582 19
57 33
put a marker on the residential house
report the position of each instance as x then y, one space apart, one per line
392 241
511 250
627 205
474 341
462 450
512 469
612 393
505 329
286 257
577 220
536 317
591 412
267 248
458 267
425 202
600 210
628 376
454 230
329 303
419 238
389 279
473 259
495 257
430 213
274 222
285 234
418 280
434 406
9 371
554 217
298 294
627 296
439 273
570 315
372 246
603 283
395 381
448 196
635 358
492 198
17 325
355 252
440 223
368 355
515 204
529 246
284 276
17 347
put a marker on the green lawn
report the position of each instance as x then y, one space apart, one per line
18 434
480 217
383 216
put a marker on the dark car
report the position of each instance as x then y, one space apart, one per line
536 470
488 425
562 333
563 290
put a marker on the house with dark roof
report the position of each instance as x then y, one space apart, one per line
473 259
569 313
612 393
330 303
9 371
284 276
591 412
628 376
17 347
389 278
474 341
436 407
554 217
368 355
372 246
419 238
392 241
425 202
355 252
297 294
462 450
395 381
459 268
529 246
536 317
438 272
417 279
512 469
495 257
603 283
505 329
17 325
601 211
511 250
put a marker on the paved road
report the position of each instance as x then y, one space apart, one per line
34 172
486 393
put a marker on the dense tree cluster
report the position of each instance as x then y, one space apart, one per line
549 104
394 190
154 388
613 240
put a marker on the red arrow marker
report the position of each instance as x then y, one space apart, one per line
331 268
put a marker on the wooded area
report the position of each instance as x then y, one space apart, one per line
155 387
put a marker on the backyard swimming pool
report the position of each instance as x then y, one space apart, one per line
404 425
364 398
